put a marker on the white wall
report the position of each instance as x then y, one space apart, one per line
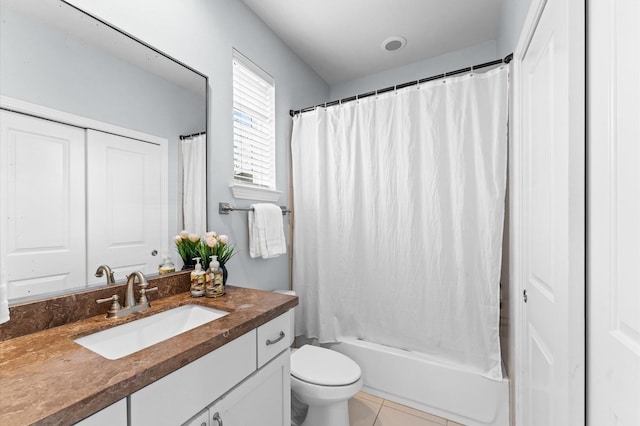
451 61
511 20
202 34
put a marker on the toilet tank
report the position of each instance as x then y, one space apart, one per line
292 317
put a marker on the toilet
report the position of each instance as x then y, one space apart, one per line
324 380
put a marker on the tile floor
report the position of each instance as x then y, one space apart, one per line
369 410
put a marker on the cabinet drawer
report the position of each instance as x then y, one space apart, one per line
174 399
274 337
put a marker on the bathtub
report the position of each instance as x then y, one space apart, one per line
412 379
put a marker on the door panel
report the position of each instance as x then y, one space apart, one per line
551 388
541 372
614 210
125 204
42 171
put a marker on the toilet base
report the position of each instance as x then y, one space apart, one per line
335 414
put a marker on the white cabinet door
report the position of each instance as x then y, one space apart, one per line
113 415
175 398
42 188
263 399
125 204
551 236
614 213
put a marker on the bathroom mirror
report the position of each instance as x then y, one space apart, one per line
57 57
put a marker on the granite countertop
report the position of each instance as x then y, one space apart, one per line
47 378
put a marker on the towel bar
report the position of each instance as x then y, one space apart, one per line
226 208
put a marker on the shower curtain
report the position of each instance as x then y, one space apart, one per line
399 208
194 183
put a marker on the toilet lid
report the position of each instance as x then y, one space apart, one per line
321 366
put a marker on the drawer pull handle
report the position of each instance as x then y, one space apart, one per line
217 419
273 342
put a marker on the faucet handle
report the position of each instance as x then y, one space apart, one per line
115 306
143 295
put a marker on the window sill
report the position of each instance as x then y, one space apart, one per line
248 192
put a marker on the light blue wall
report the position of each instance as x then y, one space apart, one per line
202 34
437 65
512 18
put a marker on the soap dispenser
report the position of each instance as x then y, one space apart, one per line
197 279
215 284
166 267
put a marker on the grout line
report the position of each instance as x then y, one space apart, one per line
375 419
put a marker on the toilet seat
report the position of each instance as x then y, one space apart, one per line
324 367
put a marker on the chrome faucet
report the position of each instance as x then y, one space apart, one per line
130 305
107 271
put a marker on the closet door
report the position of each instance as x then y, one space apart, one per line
43 196
613 391
124 203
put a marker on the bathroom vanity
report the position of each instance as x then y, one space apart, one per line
234 369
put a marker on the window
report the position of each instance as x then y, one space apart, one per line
253 125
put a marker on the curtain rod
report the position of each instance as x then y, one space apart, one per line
506 60
182 137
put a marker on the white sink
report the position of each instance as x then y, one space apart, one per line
131 337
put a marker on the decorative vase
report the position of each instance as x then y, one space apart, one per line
224 274
188 264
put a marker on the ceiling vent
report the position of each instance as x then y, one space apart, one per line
394 43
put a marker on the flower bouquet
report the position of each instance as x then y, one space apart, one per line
191 245
214 245
188 247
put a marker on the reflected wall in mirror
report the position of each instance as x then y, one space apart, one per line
63 62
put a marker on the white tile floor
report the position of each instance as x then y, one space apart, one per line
369 410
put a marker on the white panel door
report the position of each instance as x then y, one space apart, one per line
43 192
125 204
551 99
613 391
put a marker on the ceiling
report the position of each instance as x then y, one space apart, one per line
341 39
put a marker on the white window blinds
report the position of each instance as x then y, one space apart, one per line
253 124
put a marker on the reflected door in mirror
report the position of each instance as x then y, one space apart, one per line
43 177
77 199
124 202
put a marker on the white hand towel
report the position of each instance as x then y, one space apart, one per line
266 232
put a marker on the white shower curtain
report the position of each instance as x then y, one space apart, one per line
194 183
399 208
